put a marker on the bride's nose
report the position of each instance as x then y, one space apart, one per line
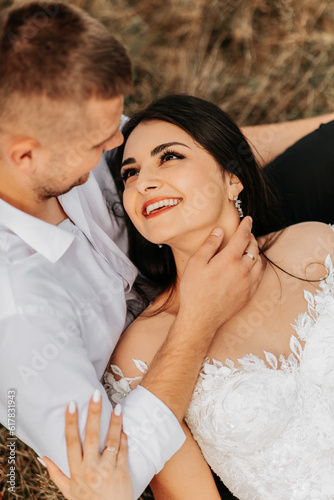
147 181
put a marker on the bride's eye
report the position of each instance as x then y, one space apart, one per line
128 172
170 155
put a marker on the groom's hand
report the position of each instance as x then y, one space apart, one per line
217 284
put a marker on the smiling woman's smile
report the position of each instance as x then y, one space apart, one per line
166 173
158 205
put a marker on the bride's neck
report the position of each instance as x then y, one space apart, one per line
188 245
183 248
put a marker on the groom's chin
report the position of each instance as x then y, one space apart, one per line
82 180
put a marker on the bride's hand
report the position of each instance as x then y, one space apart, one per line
94 476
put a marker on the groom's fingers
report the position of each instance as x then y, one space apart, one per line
209 248
240 241
251 253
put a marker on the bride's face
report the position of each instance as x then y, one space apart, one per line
172 186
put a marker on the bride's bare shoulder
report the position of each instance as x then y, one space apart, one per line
141 340
301 246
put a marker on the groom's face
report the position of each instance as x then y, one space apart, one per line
66 162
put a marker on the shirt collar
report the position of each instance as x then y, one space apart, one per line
48 240
73 208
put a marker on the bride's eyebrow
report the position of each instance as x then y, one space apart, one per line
160 148
155 151
128 161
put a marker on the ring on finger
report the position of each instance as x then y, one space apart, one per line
113 449
250 255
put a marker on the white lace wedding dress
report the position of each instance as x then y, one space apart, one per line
269 432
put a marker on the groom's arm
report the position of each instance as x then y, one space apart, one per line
44 364
214 287
270 140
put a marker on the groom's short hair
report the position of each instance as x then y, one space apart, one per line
56 53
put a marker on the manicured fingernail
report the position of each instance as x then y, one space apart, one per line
217 232
250 218
41 461
96 396
117 410
71 407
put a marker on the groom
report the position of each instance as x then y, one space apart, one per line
65 278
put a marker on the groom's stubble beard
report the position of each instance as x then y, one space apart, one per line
44 193
55 180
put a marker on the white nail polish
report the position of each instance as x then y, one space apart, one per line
117 410
96 396
41 461
71 407
217 232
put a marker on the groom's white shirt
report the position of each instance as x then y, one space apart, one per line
63 292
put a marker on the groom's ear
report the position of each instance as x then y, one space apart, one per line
234 185
20 153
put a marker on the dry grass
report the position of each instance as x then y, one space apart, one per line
31 480
261 60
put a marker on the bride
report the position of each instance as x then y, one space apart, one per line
262 411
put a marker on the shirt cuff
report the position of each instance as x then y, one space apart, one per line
151 427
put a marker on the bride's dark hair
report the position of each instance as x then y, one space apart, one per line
214 130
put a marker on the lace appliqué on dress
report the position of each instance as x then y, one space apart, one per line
117 390
267 427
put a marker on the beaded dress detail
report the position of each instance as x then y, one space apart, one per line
267 429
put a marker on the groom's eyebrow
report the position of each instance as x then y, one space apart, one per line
155 151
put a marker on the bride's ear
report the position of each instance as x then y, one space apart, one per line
234 185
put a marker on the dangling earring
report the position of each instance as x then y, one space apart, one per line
237 204
160 246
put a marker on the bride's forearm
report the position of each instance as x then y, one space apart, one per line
270 140
176 480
